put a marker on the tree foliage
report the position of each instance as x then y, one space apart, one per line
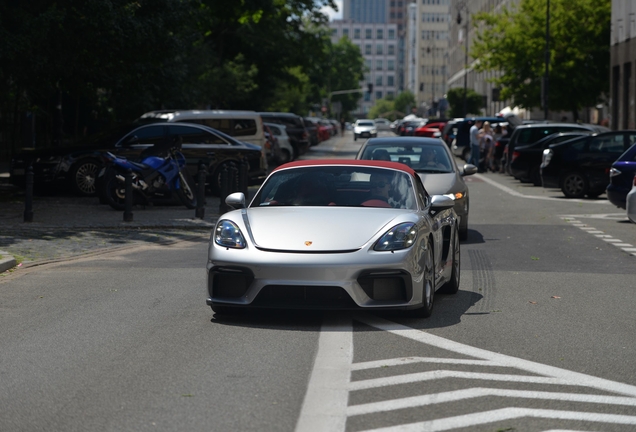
512 41
383 108
404 102
65 59
455 96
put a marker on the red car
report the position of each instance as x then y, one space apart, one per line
430 130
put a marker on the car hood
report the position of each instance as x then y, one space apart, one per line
319 229
439 184
364 128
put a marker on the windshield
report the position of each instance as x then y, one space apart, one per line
366 124
337 186
422 158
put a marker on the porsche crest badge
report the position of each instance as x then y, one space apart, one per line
308 243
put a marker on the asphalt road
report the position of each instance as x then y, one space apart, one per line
540 337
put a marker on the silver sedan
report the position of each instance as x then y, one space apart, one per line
335 234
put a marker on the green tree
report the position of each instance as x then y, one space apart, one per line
512 41
455 96
382 108
345 73
404 102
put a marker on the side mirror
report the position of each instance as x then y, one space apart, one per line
469 169
441 202
236 200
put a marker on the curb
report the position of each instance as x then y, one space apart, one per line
7 263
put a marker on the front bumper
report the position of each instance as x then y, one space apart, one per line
360 279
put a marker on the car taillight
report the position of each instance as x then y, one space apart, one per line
515 155
497 144
614 172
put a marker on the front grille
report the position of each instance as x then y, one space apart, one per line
311 297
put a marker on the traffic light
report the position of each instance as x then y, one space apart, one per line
370 87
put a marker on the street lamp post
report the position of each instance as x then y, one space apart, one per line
547 61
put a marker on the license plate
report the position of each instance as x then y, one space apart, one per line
18 171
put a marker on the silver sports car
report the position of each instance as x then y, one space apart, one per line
335 234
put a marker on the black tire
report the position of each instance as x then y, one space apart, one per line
215 183
452 286
83 176
595 194
535 175
187 193
285 156
114 191
428 287
574 185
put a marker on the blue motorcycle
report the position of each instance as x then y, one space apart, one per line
159 176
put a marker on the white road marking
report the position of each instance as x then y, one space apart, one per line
325 407
486 417
519 194
325 404
625 247
471 393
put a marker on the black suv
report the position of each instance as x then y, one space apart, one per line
531 133
298 134
581 166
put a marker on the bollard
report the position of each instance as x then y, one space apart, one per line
223 188
242 174
201 175
28 198
128 202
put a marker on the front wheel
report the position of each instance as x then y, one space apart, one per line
574 185
428 288
114 191
83 177
186 192
452 286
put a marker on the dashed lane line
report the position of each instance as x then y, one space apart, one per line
625 247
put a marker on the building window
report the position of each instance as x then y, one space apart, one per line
345 32
378 80
367 96
379 65
390 65
390 80
379 34
379 49
367 49
391 50
368 33
390 94
334 32
356 33
391 34
378 95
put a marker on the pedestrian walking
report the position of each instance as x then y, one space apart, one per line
343 124
486 147
474 143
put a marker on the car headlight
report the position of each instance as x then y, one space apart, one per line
401 236
229 235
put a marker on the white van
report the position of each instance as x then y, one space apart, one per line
244 126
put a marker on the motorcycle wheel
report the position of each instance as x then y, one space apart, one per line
187 191
114 191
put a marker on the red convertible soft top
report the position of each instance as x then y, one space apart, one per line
369 163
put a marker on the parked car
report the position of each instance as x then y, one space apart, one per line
76 168
530 133
442 177
364 129
382 124
430 130
245 126
326 130
525 164
621 174
286 151
272 146
369 225
408 127
298 135
631 203
581 166
461 144
450 130
311 124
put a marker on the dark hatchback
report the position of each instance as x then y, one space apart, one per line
76 167
526 160
434 164
580 167
622 176
298 134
